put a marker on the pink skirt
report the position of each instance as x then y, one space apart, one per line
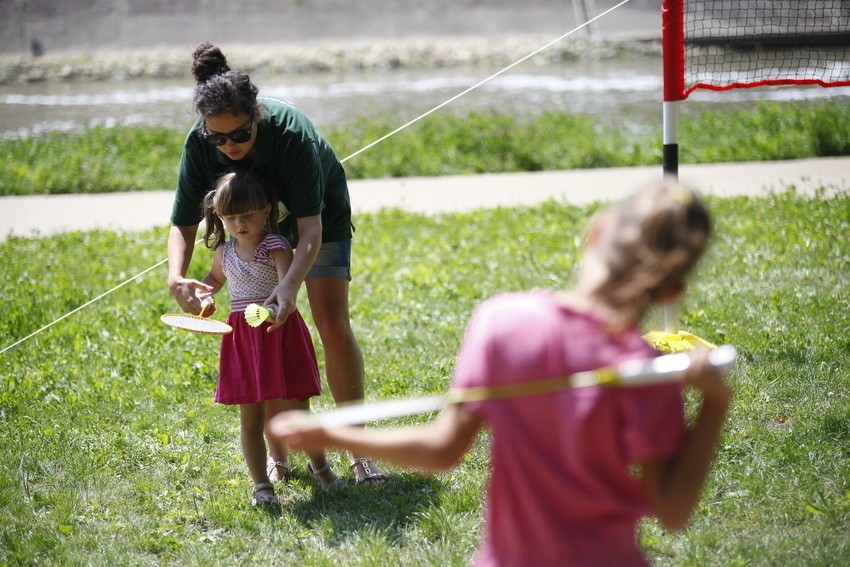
256 365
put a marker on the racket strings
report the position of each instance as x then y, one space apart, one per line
196 324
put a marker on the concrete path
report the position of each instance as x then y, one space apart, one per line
50 214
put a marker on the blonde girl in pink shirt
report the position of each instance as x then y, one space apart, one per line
575 471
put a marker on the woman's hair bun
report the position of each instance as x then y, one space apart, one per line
208 61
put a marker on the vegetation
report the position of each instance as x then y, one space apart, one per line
144 158
113 452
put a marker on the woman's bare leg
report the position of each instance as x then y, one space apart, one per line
328 299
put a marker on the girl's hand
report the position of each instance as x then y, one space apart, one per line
284 302
706 378
207 305
189 294
295 430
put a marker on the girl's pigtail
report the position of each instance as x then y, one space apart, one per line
214 232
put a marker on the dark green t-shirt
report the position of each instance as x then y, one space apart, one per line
290 154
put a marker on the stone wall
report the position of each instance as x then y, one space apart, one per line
84 25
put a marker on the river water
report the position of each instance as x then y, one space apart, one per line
617 91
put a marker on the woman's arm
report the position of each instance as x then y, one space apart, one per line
181 245
285 295
436 446
673 486
282 261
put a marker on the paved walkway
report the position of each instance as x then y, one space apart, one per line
44 215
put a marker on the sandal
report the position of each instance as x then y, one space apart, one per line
336 483
264 499
367 472
277 470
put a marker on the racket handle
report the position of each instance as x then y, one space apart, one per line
669 366
206 302
661 369
360 413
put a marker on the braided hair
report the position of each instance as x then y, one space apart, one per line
219 89
649 244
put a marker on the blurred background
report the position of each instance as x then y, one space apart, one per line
72 64
129 24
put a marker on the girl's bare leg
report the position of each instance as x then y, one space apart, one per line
277 462
318 462
253 421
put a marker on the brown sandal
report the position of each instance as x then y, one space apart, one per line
277 470
367 472
335 484
263 496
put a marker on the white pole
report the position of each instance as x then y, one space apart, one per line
671 167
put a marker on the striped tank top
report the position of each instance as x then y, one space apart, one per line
251 282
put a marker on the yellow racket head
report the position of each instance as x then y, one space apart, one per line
255 314
196 324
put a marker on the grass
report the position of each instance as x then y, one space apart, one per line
107 159
113 452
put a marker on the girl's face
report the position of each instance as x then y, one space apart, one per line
249 226
225 127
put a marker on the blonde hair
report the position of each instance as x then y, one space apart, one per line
649 243
235 193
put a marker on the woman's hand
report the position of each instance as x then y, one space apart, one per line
189 294
284 300
296 430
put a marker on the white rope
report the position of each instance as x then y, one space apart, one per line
358 152
482 82
84 305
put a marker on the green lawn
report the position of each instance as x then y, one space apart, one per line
108 159
113 452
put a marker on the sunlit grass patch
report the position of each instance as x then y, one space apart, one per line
113 451
489 141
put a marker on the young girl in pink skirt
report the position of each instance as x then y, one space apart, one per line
574 471
262 370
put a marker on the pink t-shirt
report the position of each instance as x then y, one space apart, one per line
561 492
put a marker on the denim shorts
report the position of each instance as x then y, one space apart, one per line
333 261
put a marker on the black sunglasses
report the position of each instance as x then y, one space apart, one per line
238 136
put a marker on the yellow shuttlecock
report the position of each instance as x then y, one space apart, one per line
675 342
255 314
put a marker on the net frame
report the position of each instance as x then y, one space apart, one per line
774 25
678 43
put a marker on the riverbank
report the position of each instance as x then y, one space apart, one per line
324 56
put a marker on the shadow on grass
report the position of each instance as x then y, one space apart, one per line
386 508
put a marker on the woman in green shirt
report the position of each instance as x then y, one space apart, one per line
274 139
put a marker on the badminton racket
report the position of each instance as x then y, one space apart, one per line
197 323
664 368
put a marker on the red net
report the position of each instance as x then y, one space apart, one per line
725 44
